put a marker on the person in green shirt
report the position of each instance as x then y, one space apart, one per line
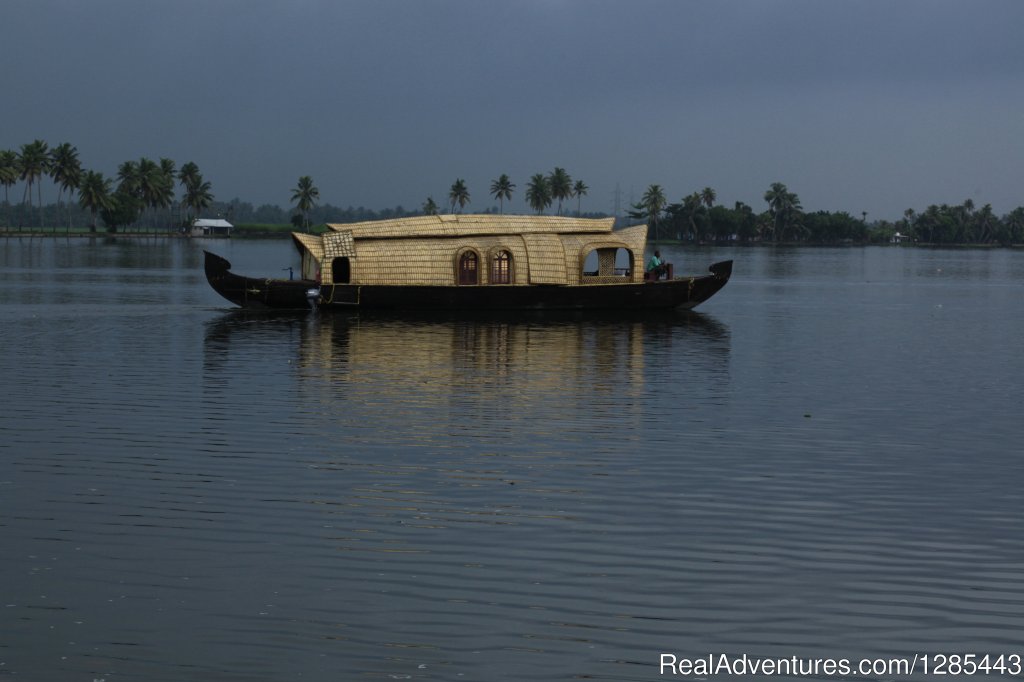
656 266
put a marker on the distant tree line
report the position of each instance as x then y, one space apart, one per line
144 195
142 192
696 217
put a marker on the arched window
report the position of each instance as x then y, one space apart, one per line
501 268
469 268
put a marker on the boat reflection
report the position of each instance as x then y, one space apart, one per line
605 362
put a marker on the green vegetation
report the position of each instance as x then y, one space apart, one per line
458 195
650 209
144 199
579 190
696 218
538 193
501 189
561 187
306 194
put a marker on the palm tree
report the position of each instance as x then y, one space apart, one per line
908 219
198 195
458 194
150 185
708 196
164 192
984 222
66 172
128 179
579 190
653 203
693 205
561 186
306 194
189 175
501 189
34 162
784 208
538 193
430 206
747 227
1014 224
94 194
9 172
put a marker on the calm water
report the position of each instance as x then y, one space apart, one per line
827 461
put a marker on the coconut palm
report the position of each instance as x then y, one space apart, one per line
501 189
579 189
167 168
1014 224
9 173
34 162
458 194
430 206
128 179
538 193
985 223
652 203
163 196
747 221
150 185
707 197
94 194
189 175
783 207
306 194
66 172
561 186
197 195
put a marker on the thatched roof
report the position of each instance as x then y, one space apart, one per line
462 225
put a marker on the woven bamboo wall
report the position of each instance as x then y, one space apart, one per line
547 259
545 249
431 261
578 247
312 250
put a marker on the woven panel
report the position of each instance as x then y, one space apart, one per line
431 261
338 245
579 246
547 259
545 249
635 239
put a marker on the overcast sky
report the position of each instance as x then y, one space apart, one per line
866 105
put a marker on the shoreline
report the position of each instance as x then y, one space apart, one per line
274 234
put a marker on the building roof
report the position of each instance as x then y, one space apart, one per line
211 222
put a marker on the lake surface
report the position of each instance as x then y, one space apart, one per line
826 461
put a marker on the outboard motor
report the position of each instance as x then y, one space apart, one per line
313 297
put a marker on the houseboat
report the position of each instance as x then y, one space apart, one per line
471 262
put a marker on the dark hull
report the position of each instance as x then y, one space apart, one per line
250 292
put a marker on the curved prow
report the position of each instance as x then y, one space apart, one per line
215 264
256 292
722 269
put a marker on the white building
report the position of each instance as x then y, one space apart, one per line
210 227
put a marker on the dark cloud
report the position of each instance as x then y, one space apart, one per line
865 105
